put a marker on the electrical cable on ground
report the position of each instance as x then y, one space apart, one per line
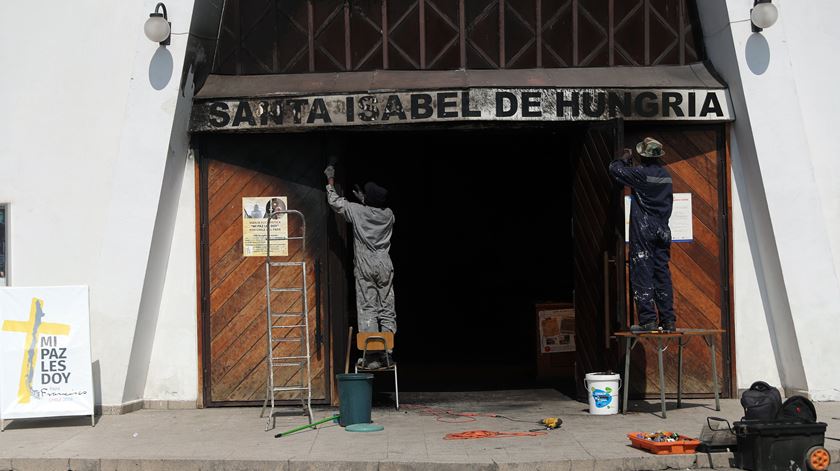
443 415
472 434
453 417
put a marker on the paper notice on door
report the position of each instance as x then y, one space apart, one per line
681 222
255 212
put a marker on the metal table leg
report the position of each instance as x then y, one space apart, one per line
659 350
710 341
679 373
629 344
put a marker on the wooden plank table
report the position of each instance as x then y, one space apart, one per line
662 339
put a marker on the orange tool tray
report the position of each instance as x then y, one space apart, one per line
686 446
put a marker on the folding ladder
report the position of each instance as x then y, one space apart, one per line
287 327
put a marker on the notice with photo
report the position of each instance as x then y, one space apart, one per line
557 330
255 217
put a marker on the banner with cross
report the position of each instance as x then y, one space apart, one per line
45 366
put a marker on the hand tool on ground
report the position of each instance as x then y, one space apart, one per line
304 427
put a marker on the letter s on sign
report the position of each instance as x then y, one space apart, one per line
219 114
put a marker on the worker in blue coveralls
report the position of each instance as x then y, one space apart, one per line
650 236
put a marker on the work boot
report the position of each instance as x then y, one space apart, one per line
649 327
668 327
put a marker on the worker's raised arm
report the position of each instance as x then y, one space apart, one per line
625 172
339 204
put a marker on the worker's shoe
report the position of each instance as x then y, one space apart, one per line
374 362
668 327
649 327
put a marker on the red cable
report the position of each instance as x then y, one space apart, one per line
472 434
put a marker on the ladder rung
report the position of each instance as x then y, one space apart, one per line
291 388
286 264
288 339
288 326
286 314
286 290
300 364
273 359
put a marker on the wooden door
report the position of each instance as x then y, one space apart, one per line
234 295
597 231
695 157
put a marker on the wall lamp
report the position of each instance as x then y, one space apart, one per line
763 15
158 28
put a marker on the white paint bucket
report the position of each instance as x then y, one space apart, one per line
602 389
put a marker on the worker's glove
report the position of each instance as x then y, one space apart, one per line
329 171
357 192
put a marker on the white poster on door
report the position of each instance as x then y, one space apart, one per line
255 216
681 222
45 367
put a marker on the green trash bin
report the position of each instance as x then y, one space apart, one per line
355 393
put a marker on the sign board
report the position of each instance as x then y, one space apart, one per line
255 212
681 222
557 330
474 104
45 367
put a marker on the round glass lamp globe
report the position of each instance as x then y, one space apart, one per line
764 15
156 29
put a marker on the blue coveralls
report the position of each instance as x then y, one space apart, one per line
650 237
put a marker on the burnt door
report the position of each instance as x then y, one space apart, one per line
233 291
598 232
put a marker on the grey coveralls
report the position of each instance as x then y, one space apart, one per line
373 270
650 238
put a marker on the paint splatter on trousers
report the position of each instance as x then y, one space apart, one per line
650 279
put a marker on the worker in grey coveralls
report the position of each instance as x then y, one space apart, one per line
650 235
373 224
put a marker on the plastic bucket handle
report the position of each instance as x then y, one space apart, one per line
586 384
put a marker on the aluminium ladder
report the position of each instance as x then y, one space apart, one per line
296 362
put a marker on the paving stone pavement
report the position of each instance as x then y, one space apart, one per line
234 438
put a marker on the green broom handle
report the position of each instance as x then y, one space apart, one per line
304 427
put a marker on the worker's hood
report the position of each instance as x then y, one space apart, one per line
375 195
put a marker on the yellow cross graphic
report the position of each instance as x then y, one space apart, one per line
33 328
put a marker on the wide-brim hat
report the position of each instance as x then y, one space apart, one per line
650 148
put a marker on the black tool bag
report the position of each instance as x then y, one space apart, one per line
761 402
798 408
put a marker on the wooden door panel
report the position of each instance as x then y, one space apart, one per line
698 268
235 314
595 223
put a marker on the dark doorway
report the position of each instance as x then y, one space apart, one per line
483 234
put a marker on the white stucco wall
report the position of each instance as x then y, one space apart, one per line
785 193
93 171
173 367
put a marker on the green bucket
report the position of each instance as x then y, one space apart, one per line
355 393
